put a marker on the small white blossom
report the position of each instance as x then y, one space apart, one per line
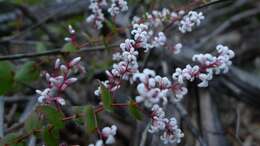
177 48
109 133
190 20
159 40
98 143
59 82
171 132
97 16
74 61
152 88
117 6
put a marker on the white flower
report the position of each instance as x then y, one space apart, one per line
158 119
109 133
171 132
142 36
98 143
117 56
152 88
61 101
97 17
189 72
57 63
117 6
71 29
177 75
149 72
71 80
159 40
179 90
177 48
74 61
190 20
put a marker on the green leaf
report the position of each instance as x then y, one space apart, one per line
53 116
32 123
6 77
69 47
11 140
90 118
51 137
106 98
28 72
134 111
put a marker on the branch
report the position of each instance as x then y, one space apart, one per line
55 52
226 25
195 132
211 3
210 122
1 116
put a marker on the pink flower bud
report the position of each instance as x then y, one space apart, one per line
63 68
57 64
74 61
71 30
63 87
71 80
47 76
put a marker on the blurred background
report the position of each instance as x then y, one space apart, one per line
227 113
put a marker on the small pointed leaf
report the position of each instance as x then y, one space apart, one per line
11 140
6 77
106 98
32 123
50 137
53 116
28 72
90 118
134 111
69 47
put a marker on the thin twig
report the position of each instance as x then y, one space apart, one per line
225 25
39 23
1 116
211 3
54 52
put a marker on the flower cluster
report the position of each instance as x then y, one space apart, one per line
159 40
208 65
176 49
171 132
146 38
160 18
122 70
190 20
157 18
152 88
117 6
127 59
97 16
185 22
59 81
107 135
